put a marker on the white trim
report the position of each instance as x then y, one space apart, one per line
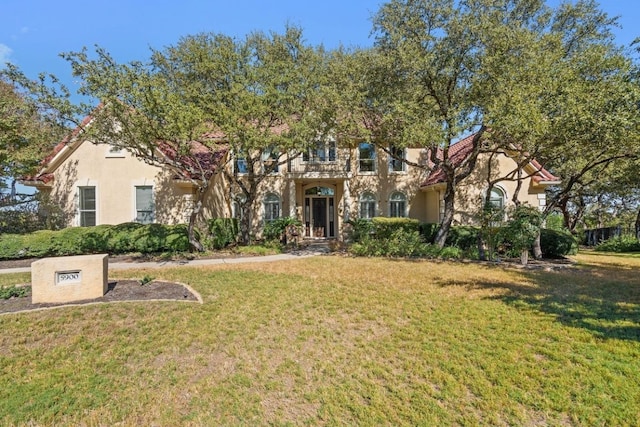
144 182
119 154
85 183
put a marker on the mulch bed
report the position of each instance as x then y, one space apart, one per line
119 290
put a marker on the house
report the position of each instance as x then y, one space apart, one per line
324 187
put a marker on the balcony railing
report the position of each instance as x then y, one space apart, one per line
338 167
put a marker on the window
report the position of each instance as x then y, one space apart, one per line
236 207
398 205
271 207
270 160
240 164
396 163
367 206
145 210
367 157
496 199
321 152
87 206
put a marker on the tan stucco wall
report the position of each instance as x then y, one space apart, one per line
471 191
115 179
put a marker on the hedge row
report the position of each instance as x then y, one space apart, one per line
112 239
554 243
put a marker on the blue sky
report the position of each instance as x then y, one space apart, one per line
34 32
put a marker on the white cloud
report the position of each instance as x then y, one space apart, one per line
5 54
24 30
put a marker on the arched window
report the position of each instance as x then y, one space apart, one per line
398 205
496 199
367 205
271 207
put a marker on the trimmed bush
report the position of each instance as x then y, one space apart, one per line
385 228
463 237
556 244
123 238
222 232
619 244
429 231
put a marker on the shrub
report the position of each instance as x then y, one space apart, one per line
384 228
556 244
463 237
274 230
13 291
360 229
120 238
619 244
428 231
128 237
222 232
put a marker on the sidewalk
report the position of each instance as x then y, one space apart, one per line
191 263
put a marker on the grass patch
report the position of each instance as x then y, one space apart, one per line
339 341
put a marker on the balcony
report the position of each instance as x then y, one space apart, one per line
336 166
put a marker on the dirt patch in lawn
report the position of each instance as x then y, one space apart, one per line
119 290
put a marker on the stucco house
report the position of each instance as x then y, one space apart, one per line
324 187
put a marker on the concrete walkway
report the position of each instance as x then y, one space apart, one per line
193 263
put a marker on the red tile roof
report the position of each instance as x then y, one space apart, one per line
461 149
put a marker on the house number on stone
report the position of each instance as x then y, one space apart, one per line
65 277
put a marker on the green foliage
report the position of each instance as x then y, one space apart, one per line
402 243
556 244
428 231
463 237
361 229
222 232
274 230
381 228
522 228
13 292
122 238
146 279
620 244
385 228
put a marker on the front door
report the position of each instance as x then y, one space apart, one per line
319 216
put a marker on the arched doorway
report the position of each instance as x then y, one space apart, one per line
319 211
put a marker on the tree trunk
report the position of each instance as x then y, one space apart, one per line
195 243
638 225
524 257
482 247
447 220
537 247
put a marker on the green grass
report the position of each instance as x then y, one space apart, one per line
339 341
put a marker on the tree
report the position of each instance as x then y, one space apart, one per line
209 100
524 76
33 118
442 60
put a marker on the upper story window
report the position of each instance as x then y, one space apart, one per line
321 151
145 209
366 157
87 208
398 205
396 159
270 159
271 207
240 165
367 205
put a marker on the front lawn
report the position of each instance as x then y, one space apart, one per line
339 341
